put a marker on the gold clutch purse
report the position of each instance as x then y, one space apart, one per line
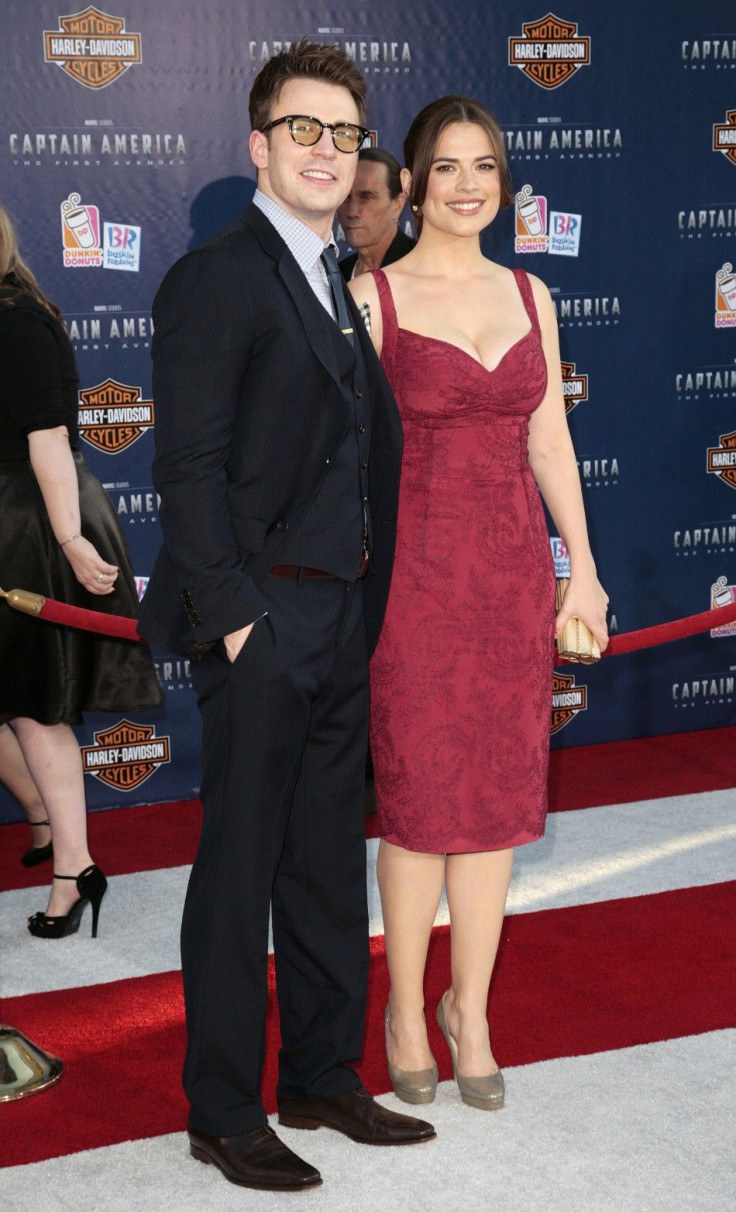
576 641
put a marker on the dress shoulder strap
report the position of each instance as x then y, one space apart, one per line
388 317
527 296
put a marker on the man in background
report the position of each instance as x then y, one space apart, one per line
370 214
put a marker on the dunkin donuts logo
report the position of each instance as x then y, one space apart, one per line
112 416
531 222
574 386
81 234
92 47
725 297
722 459
567 700
722 594
125 755
550 51
724 136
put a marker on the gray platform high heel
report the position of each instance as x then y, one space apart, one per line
411 1085
485 1093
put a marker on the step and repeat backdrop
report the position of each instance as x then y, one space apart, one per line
124 142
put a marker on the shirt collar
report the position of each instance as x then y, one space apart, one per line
304 244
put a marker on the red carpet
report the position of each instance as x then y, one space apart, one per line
569 982
620 772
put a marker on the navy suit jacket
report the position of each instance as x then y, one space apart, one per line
249 415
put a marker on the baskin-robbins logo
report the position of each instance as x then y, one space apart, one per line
725 316
568 700
126 754
92 47
722 594
722 459
550 51
724 136
81 235
117 246
121 247
112 416
564 234
574 386
531 222
560 556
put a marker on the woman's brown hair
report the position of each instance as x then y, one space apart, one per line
15 275
425 132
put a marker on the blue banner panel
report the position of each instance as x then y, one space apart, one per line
124 142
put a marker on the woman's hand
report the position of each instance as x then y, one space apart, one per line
89 568
585 599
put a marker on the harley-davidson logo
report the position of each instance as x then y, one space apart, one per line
112 415
724 136
92 47
722 459
574 386
550 51
567 700
125 755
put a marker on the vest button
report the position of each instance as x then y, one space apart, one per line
361 429
363 463
282 524
359 394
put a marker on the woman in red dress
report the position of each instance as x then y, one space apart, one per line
461 680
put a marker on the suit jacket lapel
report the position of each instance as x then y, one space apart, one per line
310 309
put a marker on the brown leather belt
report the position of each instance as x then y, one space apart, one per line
294 571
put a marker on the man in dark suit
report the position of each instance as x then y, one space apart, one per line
277 462
370 214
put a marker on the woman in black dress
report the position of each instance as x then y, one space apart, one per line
59 536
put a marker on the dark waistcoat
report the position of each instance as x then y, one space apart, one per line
332 533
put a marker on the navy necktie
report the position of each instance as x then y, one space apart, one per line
334 277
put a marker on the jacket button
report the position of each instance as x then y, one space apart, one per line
363 462
361 429
359 394
282 524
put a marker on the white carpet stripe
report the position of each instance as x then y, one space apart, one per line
587 856
647 1128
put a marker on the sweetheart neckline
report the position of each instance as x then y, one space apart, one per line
476 361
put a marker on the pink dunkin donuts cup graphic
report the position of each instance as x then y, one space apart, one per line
721 593
531 216
80 224
726 288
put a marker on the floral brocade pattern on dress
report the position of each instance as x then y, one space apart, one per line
461 680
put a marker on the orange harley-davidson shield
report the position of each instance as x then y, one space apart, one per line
550 52
125 755
567 700
92 47
112 415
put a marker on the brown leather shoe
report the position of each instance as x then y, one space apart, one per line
255 1159
358 1115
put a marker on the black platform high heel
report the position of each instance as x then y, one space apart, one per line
91 886
37 854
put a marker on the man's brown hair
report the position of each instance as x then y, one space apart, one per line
310 60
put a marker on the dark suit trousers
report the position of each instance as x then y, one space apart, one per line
284 739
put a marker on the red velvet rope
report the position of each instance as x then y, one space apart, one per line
630 641
648 637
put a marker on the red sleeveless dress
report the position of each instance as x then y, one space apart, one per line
461 680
